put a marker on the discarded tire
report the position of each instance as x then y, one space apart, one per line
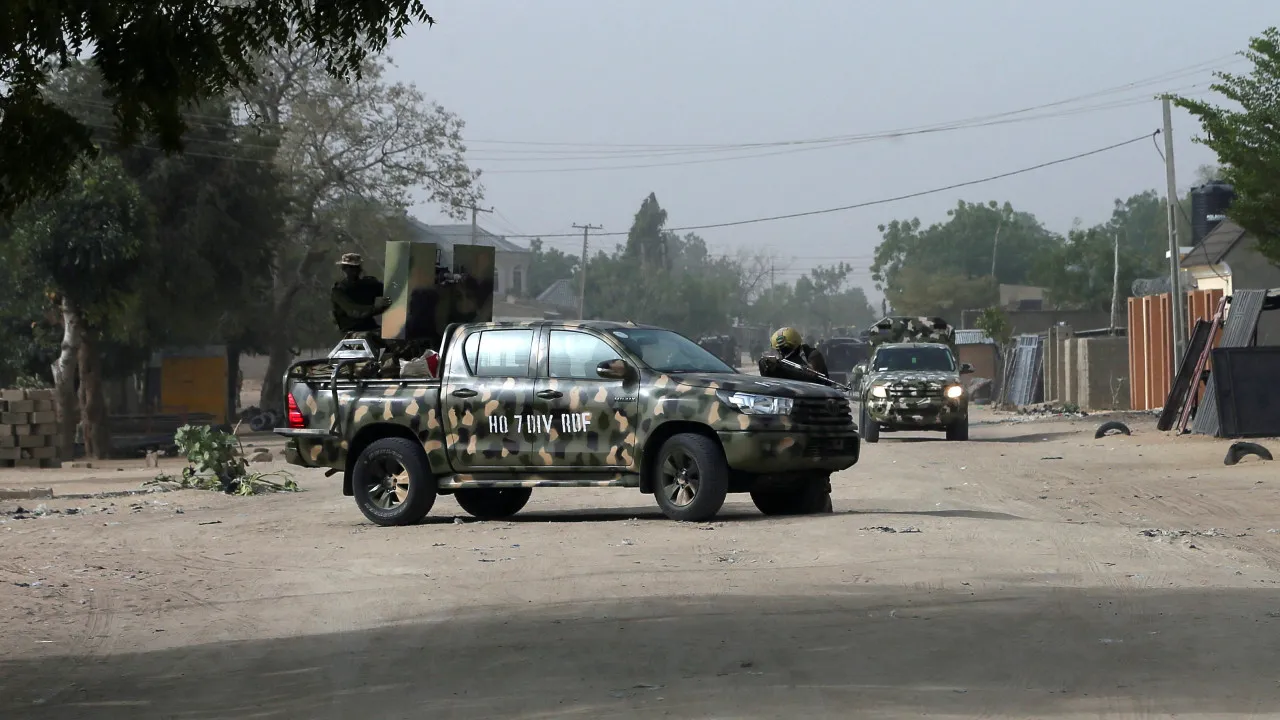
258 422
1238 450
1105 429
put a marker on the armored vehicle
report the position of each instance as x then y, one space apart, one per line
492 410
912 380
842 355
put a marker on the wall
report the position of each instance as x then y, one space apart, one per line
1151 362
1092 372
1034 322
985 361
507 266
1103 373
1251 271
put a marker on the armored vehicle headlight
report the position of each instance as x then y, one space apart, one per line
757 404
955 391
879 391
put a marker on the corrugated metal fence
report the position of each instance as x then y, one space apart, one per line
1151 362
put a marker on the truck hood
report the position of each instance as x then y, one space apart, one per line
755 384
914 378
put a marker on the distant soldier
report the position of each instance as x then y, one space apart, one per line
788 345
358 300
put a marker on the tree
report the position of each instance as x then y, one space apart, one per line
1247 141
157 57
86 242
362 144
546 266
975 249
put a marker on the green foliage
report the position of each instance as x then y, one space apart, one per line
156 58
995 324
957 264
546 266
1079 273
1246 139
85 243
215 461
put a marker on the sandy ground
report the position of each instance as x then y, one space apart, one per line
1004 577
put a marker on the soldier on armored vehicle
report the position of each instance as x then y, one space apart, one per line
912 380
513 406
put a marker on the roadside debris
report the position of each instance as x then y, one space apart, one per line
216 461
1239 450
1111 427
887 529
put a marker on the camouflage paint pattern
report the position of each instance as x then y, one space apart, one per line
425 301
589 432
914 398
902 329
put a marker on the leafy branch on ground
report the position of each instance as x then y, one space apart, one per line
216 461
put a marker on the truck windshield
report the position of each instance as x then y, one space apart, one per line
925 358
667 351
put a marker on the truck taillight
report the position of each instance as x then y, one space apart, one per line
296 420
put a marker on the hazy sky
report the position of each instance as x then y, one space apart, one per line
591 75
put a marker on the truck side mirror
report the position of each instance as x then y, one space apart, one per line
965 368
613 369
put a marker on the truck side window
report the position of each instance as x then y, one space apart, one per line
500 353
575 355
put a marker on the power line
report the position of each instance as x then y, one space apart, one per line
882 201
1160 79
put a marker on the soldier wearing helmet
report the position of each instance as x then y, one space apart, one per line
787 344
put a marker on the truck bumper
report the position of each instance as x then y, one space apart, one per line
915 413
781 452
311 448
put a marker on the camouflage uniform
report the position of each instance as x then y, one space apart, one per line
357 302
787 345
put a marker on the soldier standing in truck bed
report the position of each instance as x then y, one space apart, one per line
357 300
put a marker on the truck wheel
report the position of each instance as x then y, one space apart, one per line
959 430
693 478
492 503
811 497
870 430
392 482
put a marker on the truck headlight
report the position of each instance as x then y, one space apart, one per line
879 391
955 391
752 404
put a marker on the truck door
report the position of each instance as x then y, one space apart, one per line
592 419
488 389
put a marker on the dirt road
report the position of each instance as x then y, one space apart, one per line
1003 577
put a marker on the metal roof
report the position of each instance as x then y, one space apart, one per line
561 293
973 337
1215 246
447 236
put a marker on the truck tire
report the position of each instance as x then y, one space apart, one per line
692 478
870 429
392 482
492 503
811 497
959 430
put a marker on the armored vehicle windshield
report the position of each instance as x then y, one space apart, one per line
894 359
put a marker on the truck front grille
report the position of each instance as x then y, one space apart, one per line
822 412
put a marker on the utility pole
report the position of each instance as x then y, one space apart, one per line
1177 302
1115 283
475 228
582 284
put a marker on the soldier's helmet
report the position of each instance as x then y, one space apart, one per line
351 260
785 339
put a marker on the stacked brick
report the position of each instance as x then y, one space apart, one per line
28 429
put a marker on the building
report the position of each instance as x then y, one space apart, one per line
561 295
511 261
1227 259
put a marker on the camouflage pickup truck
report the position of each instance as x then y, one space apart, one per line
912 380
514 406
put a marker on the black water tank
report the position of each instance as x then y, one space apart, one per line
1211 199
